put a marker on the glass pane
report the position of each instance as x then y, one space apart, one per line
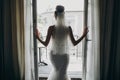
74 17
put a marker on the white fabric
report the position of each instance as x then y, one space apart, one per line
60 63
60 40
60 21
93 53
29 56
60 36
59 53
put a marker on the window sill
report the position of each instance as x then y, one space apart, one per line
45 78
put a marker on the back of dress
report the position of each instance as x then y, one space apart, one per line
59 55
60 40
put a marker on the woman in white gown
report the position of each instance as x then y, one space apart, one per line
59 55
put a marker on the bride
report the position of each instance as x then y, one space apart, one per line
59 55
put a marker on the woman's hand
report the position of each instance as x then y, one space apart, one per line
37 33
85 31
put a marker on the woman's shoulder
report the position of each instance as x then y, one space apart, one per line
52 27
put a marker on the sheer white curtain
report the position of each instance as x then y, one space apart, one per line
93 53
29 49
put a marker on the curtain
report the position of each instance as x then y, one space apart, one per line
29 47
93 49
17 22
109 39
1 41
13 53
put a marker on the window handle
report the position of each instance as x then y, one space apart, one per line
88 39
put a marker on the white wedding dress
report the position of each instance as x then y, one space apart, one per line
59 54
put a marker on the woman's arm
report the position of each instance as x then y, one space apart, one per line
49 33
75 42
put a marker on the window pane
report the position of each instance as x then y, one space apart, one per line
74 17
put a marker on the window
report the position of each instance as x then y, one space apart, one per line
75 18
71 20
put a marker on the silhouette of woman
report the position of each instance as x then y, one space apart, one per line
60 33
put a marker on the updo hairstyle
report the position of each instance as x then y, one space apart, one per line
59 9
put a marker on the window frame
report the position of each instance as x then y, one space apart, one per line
84 48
